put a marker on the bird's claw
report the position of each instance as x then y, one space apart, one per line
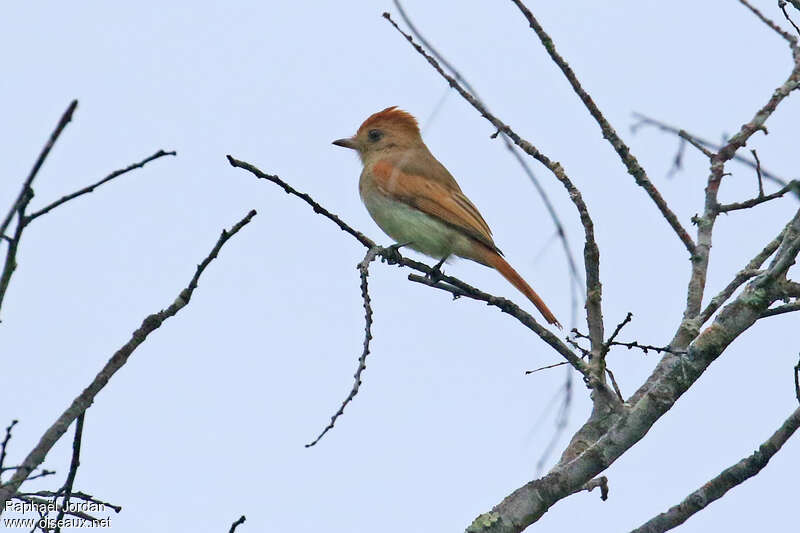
435 274
391 254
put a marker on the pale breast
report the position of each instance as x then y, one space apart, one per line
406 224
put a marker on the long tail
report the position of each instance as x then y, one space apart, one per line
496 261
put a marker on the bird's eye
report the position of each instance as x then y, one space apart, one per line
374 135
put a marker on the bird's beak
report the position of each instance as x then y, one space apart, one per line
347 143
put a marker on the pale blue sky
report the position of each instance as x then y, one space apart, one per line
208 419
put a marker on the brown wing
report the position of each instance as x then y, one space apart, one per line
418 160
445 203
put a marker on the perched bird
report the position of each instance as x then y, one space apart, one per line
416 201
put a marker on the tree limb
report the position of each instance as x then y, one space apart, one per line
86 398
585 459
26 185
622 149
729 478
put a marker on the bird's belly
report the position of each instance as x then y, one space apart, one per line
422 232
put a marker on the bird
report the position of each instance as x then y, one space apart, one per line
417 202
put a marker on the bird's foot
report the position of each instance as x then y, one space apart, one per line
391 254
435 274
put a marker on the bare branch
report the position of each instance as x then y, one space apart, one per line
613 336
791 39
629 345
237 523
546 367
705 223
644 120
797 380
584 459
792 186
624 152
42 473
360 237
781 309
646 347
92 187
574 344
44 504
716 488
749 271
10 263
85 399
62 123
615 385
758 174
694 142
601 482
77 495
4 446
782 5
786 255
458 288
66 490
363 270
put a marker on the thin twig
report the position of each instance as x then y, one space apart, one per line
758 173
363 270
705 223
769 22
619 327
750 270
716 488
601 482
646 347
237 523
360 237
615 385
44 507
694 142
797 380
623 151
459 288
792 186
786 256
66 490
782 5
545 367
93 186
66 117
561 421
77 495
644 120
42 473
10 263
4 445
85 399
584 351
781 309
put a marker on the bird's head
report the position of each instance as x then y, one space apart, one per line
389 129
